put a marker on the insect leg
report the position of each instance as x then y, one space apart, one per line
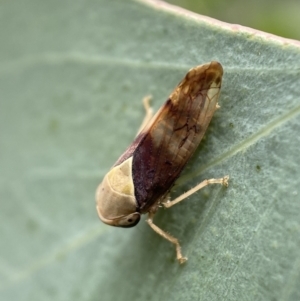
223 181
167 236
149 112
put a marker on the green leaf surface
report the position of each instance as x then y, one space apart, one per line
72 76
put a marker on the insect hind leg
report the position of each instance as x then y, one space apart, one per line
223 181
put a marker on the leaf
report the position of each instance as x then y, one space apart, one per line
72 78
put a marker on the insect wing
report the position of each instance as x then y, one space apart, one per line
172 136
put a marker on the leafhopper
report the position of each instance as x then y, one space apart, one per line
141 179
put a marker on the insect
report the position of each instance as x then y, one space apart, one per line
141 179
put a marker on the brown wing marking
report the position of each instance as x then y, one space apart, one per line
131 149
174 133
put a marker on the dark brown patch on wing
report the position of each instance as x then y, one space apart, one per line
130 150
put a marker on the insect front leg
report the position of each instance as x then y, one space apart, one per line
149 112
167 236
223 181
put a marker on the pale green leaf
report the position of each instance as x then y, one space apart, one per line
72 76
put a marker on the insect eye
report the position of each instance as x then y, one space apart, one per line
129 221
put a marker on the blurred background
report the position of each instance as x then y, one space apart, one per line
274 16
